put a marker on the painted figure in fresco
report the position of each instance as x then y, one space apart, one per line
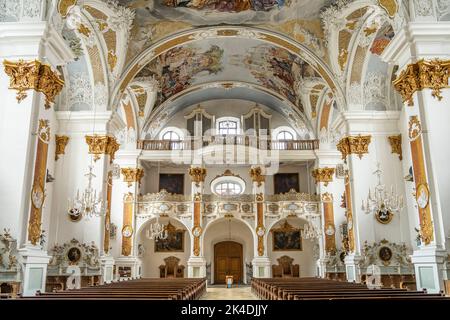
227 5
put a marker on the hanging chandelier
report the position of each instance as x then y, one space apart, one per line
381 202
88 204
157 231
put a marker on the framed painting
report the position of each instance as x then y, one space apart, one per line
284 182
174 241
286 238
172 182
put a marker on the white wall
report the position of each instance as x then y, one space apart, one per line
304 258
150 181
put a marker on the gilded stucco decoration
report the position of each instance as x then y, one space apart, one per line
358 145
64 6
324 175
390 6
424 74
27 75
61 143
197 175
257 176
415 128
102 144
396 145
131 175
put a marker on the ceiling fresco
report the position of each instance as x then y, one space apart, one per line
243 60
208 12
156 19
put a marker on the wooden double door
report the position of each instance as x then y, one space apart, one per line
228 261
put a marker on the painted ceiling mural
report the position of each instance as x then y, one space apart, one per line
156 19
243 60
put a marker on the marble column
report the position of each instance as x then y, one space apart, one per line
196 262
421 51
261 261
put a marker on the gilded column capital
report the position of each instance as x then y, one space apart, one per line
33 75
197 175
102 144
257 175
424 74
358 145
61 143
324 175
131 175
396 145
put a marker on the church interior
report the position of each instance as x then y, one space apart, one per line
183 149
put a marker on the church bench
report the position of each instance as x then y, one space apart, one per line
150 289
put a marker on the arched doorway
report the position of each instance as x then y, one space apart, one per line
228 257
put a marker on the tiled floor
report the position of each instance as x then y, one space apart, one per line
223 293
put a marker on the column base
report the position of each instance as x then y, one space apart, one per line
352 269
322 267
429 267
107 267
196 267
35 262
261 267
127 268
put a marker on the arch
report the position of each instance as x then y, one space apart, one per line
278 130
231 90
243 234
178 131
151 260
274 38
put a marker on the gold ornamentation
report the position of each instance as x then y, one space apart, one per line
102 144
84 30
131 175
342 59
327 197
260 197
422 196
112 60
370 30
64 6
27 75
197 175
396 145
324 175
423 74
197 232
61 143
44 131
390 6
415 128
358 145
257 176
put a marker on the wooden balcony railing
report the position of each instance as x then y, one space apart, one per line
229 140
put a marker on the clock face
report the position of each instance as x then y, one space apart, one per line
260 231
422 196
197 231
127 231
37 197
330 230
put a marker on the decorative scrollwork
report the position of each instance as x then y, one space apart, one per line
27 75
324 175
358 145
423 74
396 145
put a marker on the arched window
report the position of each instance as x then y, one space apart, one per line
228 188
227 125
171 135
285 135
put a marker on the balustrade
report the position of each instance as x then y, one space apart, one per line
192 143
